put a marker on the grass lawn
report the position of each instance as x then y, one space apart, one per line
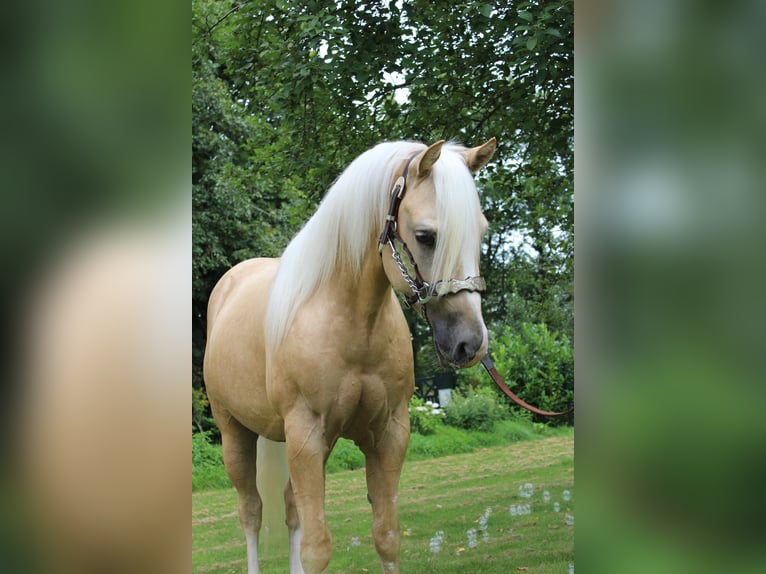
448 494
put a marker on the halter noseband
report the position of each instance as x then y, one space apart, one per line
422 291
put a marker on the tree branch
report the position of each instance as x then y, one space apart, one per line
222 18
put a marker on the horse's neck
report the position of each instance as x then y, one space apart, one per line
363 296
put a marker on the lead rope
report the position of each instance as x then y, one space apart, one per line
490 366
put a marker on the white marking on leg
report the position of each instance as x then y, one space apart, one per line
252 552
295 552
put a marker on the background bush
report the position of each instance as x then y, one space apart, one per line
425 416
345 455
536 364
208 471
475 409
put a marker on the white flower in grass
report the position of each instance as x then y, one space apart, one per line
520 509
472 540
436 542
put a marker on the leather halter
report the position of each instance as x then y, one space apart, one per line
422 290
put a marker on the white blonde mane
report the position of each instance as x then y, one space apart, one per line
353 212
459 212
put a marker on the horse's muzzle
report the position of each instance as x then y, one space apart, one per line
458 345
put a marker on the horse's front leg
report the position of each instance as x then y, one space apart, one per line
307 453
384 466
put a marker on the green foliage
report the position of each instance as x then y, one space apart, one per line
425 416
201 420
536 364
286 94
448 440
345 455
515 430
477 409
208 471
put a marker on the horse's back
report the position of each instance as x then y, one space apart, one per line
252 274
234 365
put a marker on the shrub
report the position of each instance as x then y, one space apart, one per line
477 409
208 471
517 430
425 416
345 455
540 364
537 364
444 442
201 419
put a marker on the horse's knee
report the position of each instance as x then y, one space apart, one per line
316 550
250 511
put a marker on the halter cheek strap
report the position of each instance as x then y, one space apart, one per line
397 194
422 291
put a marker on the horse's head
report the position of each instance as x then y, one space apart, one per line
435 238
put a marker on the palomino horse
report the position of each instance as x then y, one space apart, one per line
314 346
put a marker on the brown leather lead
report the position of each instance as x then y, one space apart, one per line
490 366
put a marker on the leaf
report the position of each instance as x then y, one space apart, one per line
531 43
524 15
485 10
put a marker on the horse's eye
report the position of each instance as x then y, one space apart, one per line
426 238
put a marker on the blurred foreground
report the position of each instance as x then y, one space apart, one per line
670 145
96 243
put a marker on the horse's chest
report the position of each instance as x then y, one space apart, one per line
367 392
364 402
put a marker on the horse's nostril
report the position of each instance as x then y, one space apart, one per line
465 351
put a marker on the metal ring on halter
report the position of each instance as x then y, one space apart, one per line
424 294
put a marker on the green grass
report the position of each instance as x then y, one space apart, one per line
208 472
449 494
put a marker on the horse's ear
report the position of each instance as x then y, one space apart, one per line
426 161
475 158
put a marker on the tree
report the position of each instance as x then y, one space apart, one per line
287 93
